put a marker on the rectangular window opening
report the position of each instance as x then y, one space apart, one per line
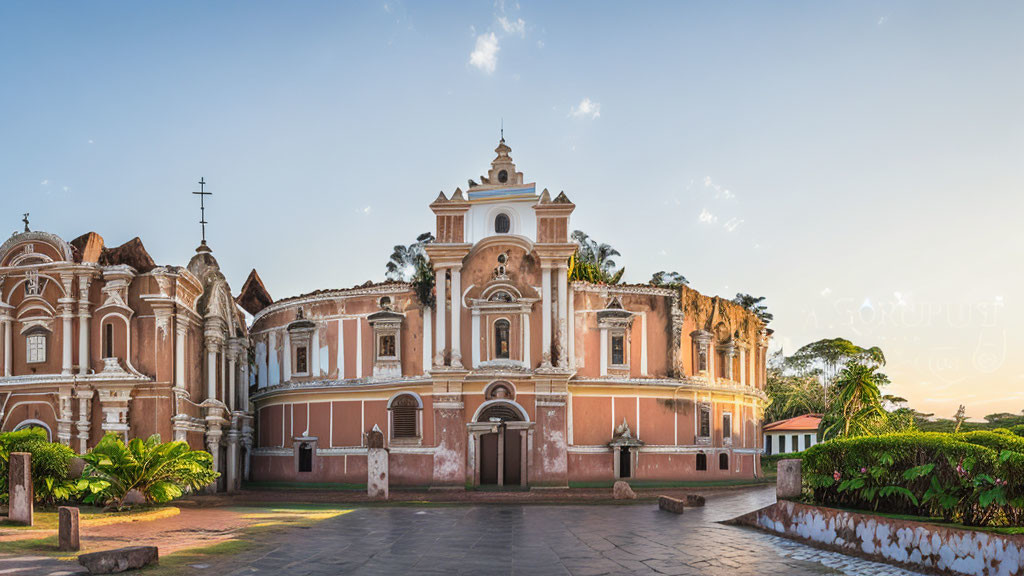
618 349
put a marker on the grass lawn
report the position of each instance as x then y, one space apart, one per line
303 486
672 484
92 516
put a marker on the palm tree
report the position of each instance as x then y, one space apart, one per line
593 262
856 402
754 304
669 279
405 260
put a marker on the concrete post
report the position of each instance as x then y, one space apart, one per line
377 480
67 532
789 482
19 484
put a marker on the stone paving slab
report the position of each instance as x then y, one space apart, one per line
534 540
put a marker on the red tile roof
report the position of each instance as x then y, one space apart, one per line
805 422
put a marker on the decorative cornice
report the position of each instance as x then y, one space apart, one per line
326 295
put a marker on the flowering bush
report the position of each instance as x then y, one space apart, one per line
958 477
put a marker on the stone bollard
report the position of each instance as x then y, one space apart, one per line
67 532
19 483
788 485
670 504
376 465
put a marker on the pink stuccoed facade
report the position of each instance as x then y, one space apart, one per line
97 340
515 376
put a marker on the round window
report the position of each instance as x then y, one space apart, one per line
503 176
502 224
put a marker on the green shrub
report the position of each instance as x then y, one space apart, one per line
961 477
51 463
160 471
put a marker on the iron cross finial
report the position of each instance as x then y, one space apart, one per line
202 205
25 220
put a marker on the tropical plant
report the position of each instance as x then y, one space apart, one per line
959 477
754 304
51 464
160 471
668 279
592 262
856 403
410 264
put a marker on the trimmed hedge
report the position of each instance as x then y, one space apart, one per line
958 477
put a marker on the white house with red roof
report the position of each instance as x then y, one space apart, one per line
791 435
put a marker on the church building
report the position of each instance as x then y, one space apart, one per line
101 340
506 373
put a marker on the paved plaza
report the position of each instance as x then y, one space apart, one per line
539 539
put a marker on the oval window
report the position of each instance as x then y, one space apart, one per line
502 224
503 176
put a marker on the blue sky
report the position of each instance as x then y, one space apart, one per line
858 163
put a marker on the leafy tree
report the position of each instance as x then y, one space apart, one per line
754 304
668 279
857 403
827 358
410 264
160 471
592 262
791 395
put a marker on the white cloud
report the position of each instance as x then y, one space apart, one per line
66 188
826 291
883 20
587 107
44 183
90 141
540 43
707 217
517 26
732 224
367 209
485 55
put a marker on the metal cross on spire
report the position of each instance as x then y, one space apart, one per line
503 129
202 205
25 220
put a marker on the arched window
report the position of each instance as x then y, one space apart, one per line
35 344
501 335
502 224
503 176
723 461
108 340
702 461
404 419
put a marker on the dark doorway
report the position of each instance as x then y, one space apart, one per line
513 461
305 458
624 462
222 480
489 459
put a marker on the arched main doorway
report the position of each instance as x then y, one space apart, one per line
500 439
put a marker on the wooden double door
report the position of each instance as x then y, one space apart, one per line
501 458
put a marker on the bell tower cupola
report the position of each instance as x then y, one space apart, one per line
503 169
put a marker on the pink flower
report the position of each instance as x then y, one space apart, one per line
837 475
863 470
